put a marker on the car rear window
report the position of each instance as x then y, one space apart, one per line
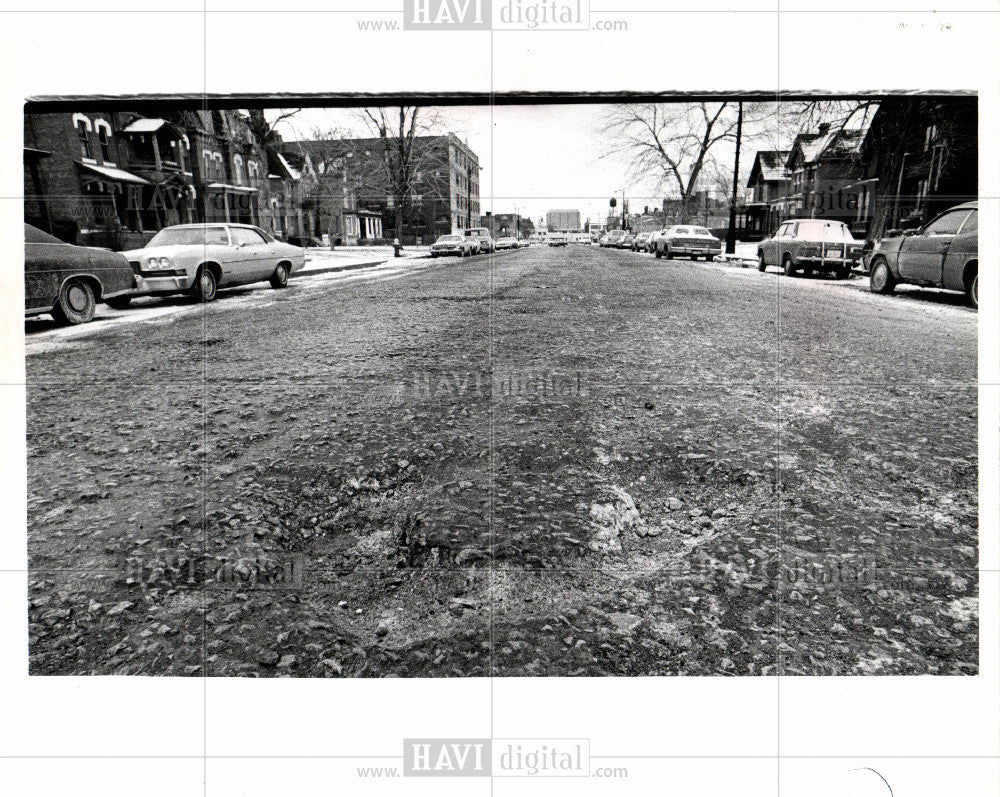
33 235
448 239
824 231
700 231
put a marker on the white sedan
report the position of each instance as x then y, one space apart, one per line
201 258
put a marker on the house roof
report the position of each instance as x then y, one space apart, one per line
118 175
144 126
769 164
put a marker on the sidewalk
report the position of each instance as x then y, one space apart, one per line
349 258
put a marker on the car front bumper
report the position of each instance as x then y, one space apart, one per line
172 280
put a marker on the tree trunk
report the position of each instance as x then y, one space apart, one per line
399 222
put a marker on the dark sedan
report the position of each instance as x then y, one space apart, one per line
942 254
68 281
811 245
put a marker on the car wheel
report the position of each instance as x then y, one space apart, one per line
279 279
881 279
787 266
972 290
667 253
761 263
205 285
119 302
658 253
75 304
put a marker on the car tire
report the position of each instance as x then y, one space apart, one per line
788 266
119 302
761 263
881 280
279 279
667 253
658 254
76 302
972 290
205 286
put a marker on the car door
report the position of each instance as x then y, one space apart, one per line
964 247
43 269
776 243
249 255
921 256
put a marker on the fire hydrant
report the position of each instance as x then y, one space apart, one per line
397 248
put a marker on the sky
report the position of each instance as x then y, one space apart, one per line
532 158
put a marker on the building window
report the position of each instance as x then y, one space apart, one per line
83 134
104 139
238 169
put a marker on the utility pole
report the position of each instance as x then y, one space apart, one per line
731 232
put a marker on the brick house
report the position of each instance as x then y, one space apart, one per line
444 198
919 157
115 178
821 168
767 183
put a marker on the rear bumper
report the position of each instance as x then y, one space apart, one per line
695 250
829 262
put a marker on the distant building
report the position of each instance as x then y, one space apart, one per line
445 195
509 225
563 221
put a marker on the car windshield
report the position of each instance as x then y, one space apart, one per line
448 239
700 231
190 236
682 231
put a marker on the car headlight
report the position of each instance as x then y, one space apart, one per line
164 262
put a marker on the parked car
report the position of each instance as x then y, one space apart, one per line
811 245
641 242
523 243
558 239
482 237
687 240
454 245
67 280
625 242
944 253
506 243
198 259
612 238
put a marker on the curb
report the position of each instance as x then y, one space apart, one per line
330 269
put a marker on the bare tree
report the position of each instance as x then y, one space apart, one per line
264 130
673 144
333 182
399 131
